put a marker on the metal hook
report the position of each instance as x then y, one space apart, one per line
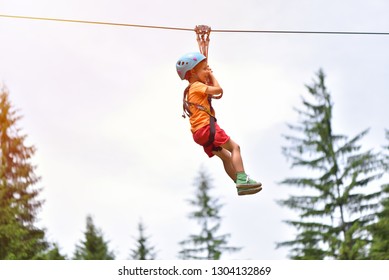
203 32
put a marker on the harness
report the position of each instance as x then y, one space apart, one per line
212 120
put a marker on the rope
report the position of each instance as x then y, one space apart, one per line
191 29
95 22
303 32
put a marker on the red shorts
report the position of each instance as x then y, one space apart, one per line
201 137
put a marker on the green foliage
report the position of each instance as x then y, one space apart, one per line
94 247
206 244
380 244
19 238
143 250
337 204
380 231
52 253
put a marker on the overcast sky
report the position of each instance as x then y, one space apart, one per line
102 105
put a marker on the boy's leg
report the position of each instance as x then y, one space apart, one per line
236 158
244 184
225 156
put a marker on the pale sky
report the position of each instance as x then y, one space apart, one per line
102 105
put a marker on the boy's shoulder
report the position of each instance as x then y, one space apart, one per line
198 87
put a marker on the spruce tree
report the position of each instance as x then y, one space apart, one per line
143 250
94 247
52 253
207 244
380 231
20 238
337 203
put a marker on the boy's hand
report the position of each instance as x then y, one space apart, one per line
214 88
210 76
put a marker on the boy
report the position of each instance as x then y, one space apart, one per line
206 132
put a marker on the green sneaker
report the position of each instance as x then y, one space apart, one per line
245 185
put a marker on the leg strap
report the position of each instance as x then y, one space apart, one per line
212 132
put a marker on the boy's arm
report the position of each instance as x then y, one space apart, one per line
214 88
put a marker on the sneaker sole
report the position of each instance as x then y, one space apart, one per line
248 191
248 186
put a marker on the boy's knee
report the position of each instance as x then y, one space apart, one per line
231 146
223 155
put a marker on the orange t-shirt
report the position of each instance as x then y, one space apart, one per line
197 95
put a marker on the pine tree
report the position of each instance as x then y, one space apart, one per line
143 250
20 238
337 204
380 231
52 253
207 244
94 247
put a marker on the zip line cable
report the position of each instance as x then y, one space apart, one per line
192 29
95 22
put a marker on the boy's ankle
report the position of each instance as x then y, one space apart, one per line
241 177
242 180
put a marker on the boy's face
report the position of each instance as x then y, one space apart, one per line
202 71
